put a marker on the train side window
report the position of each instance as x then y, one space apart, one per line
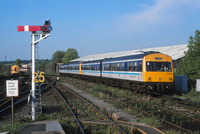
140 66
112 67
125 68
106 67
95 67
130 66
135 66
122 67
118 67
82 67
109 67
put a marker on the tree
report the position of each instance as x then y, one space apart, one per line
70 54
190 64
18 62
58 56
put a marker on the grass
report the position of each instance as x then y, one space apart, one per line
105 92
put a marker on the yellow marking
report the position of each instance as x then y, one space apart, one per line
80 68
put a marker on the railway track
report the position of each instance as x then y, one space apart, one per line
187 125
192 107
23 82
89 104
24 92
168 117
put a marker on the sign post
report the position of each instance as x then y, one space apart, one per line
12 90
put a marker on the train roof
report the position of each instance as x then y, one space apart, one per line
176 52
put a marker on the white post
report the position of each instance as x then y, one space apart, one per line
34 42
33 113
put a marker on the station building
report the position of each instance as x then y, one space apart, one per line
176 52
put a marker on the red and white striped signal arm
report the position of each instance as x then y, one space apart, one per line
26 28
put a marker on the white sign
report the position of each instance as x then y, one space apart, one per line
12 88
198 85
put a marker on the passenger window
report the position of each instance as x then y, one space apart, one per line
135 66
118 67
122 67
130 66
106 67
112 67
125 69
140 66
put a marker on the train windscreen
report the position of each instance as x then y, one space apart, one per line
158 66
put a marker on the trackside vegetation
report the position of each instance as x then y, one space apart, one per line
190 64
65 56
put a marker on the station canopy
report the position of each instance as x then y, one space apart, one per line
176 52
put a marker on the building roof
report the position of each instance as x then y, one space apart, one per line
176 52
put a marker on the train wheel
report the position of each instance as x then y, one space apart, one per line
161 89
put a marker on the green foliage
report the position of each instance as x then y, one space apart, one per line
58 56
190 64
5 70
18 62
38 61
70 54
43 65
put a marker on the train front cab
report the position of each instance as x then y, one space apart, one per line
15 70
158 72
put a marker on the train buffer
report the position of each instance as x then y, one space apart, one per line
41 127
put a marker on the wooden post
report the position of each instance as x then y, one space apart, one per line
13 118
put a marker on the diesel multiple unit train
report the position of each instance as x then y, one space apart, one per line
144 72
17 70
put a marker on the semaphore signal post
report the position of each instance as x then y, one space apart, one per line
38 34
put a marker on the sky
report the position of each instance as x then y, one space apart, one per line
96 26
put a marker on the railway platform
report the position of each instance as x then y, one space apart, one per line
41 127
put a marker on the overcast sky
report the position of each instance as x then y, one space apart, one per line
96 26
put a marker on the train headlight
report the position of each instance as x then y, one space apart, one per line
170 78
160 78
149 78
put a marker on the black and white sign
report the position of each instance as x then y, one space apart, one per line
12 88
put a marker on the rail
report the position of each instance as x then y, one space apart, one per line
79 124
